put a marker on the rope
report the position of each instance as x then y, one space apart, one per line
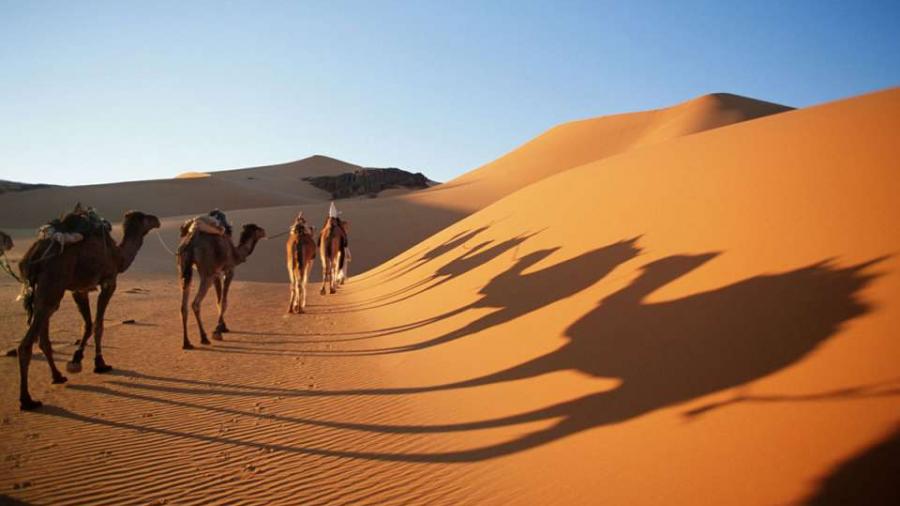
4 263
276 236
44 257
163 242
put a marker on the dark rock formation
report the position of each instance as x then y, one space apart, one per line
368 182
12 186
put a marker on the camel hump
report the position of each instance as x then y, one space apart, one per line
75 226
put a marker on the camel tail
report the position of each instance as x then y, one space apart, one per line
29 270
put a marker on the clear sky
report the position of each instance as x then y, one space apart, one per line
96 91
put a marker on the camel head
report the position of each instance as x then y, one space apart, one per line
6 243
136 222
252 232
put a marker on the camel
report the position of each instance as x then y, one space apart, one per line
215 258
300 252
49 269
332 247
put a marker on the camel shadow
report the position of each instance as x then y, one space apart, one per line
412 262
475 256
866 478
671 352
516 294
664 353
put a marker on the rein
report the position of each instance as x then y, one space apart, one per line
276 236
161 241
4 264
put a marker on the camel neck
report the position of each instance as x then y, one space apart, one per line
128 249
245 249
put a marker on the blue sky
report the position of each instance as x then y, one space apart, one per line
109 91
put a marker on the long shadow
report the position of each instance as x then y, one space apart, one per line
664 353
881 389
474 257
460 265
449 245
869 478
670 352
517 294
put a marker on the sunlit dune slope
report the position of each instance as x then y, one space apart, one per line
579 142
713 319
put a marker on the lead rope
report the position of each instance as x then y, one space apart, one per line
276 236
158 236
4 263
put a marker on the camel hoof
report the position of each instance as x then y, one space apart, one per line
59 380
12 353
217 336
187 346
334 290
73 367
206 341
29 404
101 369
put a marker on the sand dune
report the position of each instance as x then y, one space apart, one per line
686 314
268 186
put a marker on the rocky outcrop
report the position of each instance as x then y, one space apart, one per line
13 186
368 182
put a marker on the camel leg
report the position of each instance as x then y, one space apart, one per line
326 274
290 308
84 307
45 305
303 280
24 355
335 269
296 279
47 348
222 301
205 282
185 295
223 304
106 292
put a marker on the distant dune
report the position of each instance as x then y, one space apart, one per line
697 304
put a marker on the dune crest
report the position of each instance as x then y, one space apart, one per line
192 175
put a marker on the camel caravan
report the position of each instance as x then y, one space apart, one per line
76 253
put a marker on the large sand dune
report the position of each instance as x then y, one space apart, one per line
688 314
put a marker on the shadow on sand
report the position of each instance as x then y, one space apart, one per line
664 353
870 478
